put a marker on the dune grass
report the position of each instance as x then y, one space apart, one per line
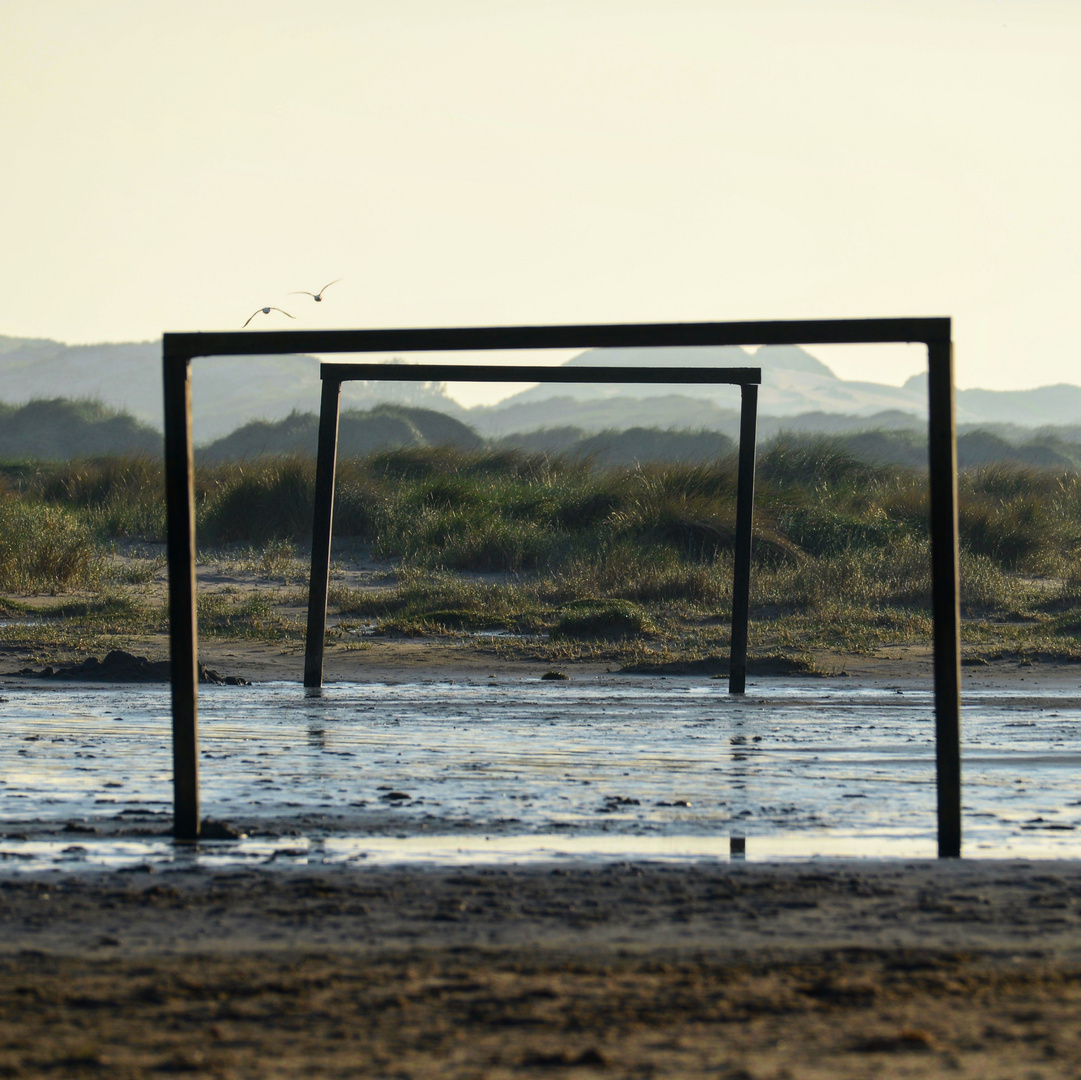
45 548
512 540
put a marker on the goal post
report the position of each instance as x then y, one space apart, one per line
179 349
333 375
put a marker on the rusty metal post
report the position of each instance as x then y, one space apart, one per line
945 584
183 630
322 521
741 578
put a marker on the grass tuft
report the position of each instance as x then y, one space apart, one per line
602 620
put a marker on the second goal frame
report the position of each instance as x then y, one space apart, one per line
333 375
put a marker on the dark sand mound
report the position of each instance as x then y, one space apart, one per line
123 667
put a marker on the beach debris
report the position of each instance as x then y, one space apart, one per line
907 1040
265 311
211 829
395 796
121 666
612 803
554 676
316 296
591 1058
209 675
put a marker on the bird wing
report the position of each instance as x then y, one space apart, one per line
302 292
283 312
252 316
327 286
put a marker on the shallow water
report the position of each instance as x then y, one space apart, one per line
507 769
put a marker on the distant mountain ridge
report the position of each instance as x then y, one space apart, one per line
794 382
227 392
230 392
60 429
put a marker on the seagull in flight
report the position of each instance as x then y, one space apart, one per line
266 311
316 296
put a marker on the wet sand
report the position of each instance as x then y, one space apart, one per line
408 659
831 969
731 970
412 659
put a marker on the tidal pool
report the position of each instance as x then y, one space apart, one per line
611 767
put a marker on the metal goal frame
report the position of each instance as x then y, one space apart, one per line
179 349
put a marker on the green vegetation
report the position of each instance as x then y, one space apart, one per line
592 619
574 558
360 432
44 548
56 429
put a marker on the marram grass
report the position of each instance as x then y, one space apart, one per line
512 540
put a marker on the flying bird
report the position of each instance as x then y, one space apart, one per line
266 311
316 296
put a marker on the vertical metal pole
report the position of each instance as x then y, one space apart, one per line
945 585
183 641
741 579
319 581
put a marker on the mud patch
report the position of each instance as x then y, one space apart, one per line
124 667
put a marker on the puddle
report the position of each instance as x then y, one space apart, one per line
515 770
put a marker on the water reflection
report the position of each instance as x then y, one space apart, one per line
628 761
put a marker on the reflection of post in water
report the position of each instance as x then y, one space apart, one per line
739 753
317 734
739 773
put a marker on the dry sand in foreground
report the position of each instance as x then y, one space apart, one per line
854 969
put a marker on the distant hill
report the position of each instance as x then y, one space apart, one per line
877 446
61 429
359 434
785 370
599 414
58 429
226 392
637 445
1058 404
975 449
794 383
231 392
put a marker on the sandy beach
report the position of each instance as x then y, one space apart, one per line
846 969
854 968
467 656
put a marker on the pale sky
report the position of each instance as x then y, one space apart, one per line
176 165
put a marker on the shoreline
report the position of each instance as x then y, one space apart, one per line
433 659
